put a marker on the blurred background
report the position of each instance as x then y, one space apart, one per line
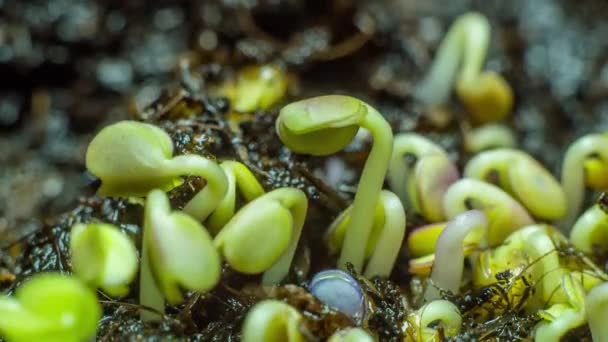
67 67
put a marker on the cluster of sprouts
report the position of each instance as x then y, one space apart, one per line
497 214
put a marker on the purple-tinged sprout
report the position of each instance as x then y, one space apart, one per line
419 173
505 215
585 164
386 237
488 137
338 290
437 311
524 178
591 229
449 253
596 305
561 318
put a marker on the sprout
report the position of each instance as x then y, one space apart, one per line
487 96
177 252
438 311
596 306
591 229
259 87
272 321
419 173
422 240
351 335
264 234
449 254
524 178
323 125
103 257
488 137
338 290
560 318
586 163
132 158
385 239
504 214
238 175
50 307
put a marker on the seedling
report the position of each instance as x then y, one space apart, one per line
596 306
103 257
487 96
561 318
264 234
338 290
50 307
272 321
240 177
177 252
419 173
422 240
585 164
326 124
449 252
590 230
424 322
385 239
488 137
522 177
259 87
132 158
505 215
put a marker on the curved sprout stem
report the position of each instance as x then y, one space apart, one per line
596 305
590 229
449 254
368 191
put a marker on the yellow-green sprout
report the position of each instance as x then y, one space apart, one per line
385 239
256 87
264 234
596 306
422 240
240 177
177 253
326 124
272 321
103 257
585 164
438 311
488 137
487 96
420 172
351 335
505 214
590 230
132 158
561 318
522 177
50 307
448 265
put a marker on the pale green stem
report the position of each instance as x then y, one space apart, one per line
443 311
590 229
398 172
204 202
449 253
240 177
297 203
475 31
387 248
573 175
149 294
368 191
596 305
